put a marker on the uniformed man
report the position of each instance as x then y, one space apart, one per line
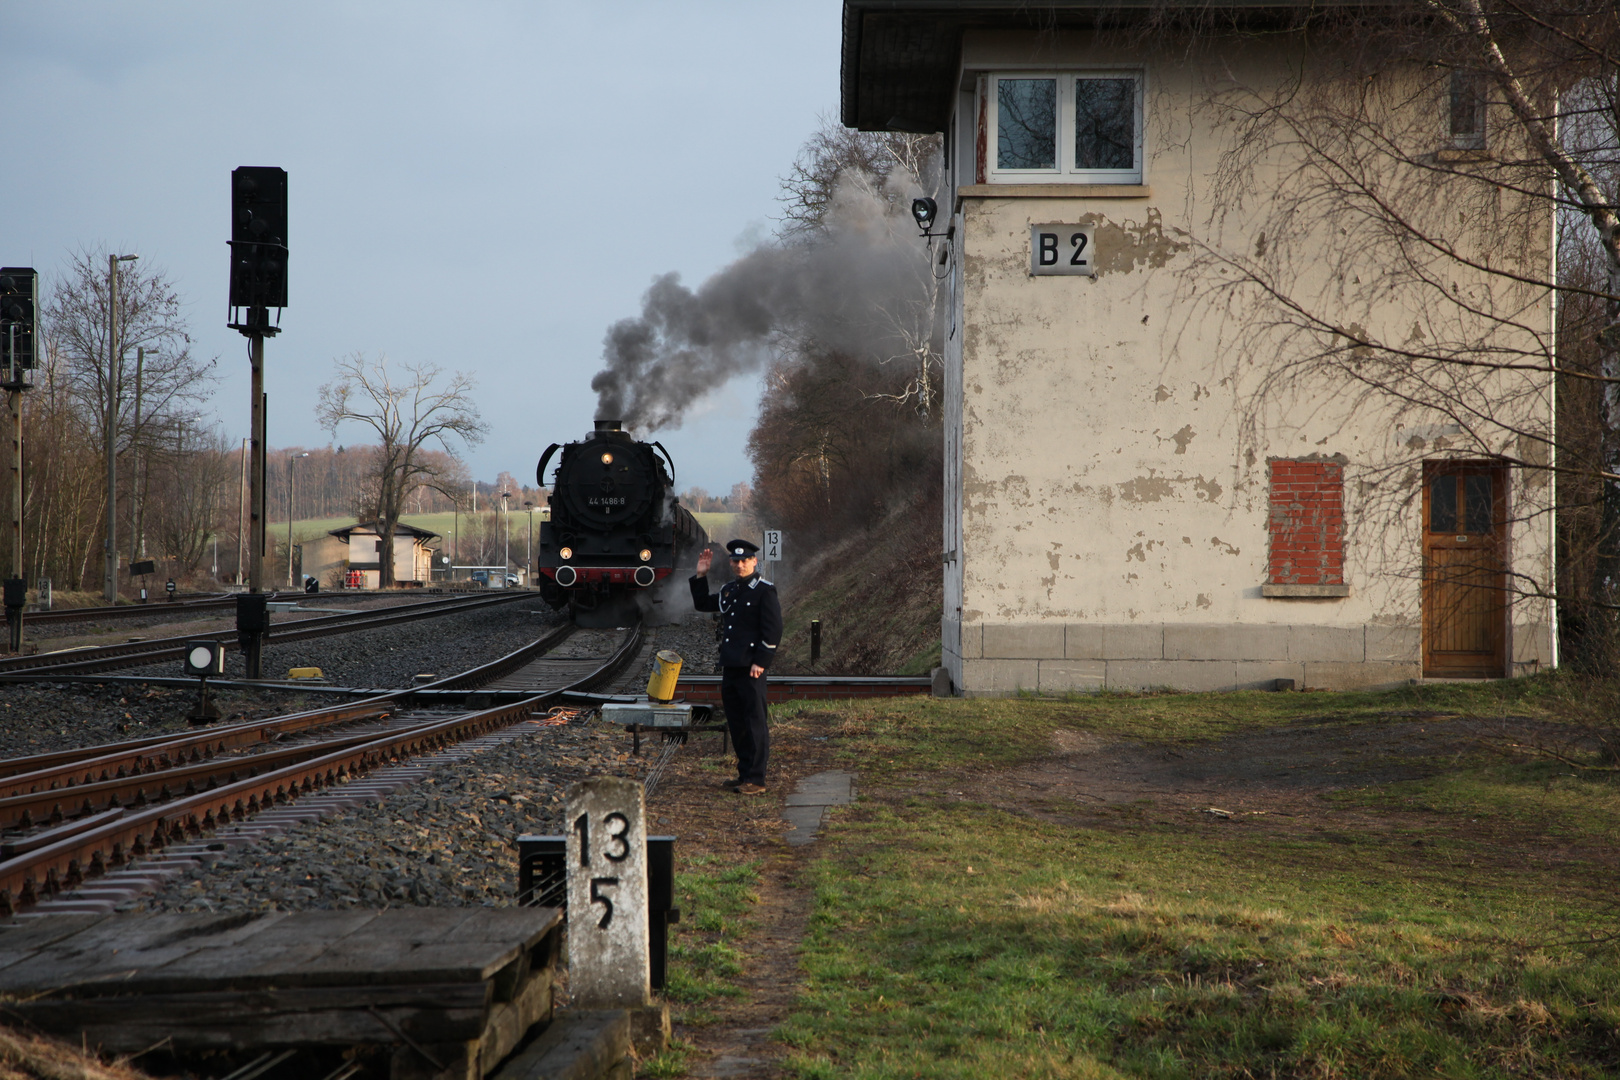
750 631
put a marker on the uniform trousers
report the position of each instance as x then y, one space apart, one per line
744 701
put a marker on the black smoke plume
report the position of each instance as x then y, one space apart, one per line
861 283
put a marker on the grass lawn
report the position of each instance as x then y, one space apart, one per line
1386 888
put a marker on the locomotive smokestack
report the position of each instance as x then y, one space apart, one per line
609 425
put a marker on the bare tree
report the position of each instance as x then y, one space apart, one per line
151 317
892 167
405 414
193 487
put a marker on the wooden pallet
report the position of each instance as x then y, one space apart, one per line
452 991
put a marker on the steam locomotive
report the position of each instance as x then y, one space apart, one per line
616 530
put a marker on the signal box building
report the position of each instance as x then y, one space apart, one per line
1130 502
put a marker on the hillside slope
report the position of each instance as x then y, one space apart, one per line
879 596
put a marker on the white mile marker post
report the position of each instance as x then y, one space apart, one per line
608 958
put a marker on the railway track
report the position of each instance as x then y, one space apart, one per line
70 816
155 650
161 608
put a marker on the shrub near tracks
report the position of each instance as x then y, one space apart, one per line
982 912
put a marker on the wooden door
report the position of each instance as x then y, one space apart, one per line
1465 599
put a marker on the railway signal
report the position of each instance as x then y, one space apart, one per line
259 237
258 282
19 308
204 657
19 303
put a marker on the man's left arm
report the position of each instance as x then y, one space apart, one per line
770 629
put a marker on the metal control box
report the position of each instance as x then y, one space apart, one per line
649 714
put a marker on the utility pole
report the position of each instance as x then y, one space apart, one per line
290 462
137 482
506 527
19 303
241 518
528 549
109 587
258 283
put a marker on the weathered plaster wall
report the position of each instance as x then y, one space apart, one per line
1114 444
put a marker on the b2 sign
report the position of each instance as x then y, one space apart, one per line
1062 249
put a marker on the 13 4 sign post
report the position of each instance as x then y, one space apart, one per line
608 959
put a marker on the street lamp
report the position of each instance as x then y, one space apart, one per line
290 462
110 584
528 551
506 525
137 477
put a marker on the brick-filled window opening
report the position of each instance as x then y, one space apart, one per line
1307 523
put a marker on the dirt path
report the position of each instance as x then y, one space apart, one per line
737 829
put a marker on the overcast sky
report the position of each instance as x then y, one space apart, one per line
485 186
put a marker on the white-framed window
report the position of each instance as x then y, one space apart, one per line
1070 127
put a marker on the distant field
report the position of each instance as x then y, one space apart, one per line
719 526
717 523
443 524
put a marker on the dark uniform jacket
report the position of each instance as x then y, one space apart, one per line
750 619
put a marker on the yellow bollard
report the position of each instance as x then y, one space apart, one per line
666 673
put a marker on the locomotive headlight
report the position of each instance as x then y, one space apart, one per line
565 553
607 459
646 554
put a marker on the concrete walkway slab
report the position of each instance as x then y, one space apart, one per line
809 800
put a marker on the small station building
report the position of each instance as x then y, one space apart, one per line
357 550
1129 503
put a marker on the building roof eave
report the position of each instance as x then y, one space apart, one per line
899 58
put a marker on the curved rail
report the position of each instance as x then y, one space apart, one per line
115 836
108 657
64 769
131 611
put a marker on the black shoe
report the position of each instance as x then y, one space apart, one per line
730 785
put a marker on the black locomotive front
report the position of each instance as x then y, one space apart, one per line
615 529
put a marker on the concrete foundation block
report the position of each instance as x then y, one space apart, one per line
1023 641
1532 645
1338 676
650 1030
1113 641
981 677
1171 674
1225 641
1263 674
1061 676
973 641
1347 644
579 1045
1394 644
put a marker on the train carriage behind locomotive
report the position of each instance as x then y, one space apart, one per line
616 529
